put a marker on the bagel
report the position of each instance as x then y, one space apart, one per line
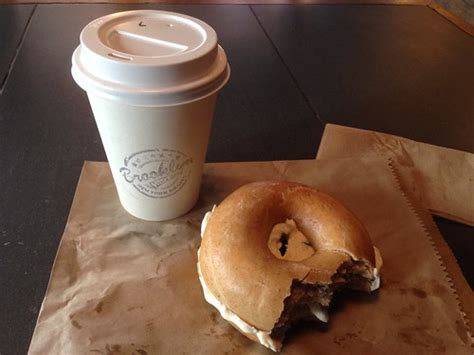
273 253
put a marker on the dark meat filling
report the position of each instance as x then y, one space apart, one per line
354 275
298 303
297 306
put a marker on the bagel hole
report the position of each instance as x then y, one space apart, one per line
284 244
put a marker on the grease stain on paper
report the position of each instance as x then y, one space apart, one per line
129 309
419 337
99 306
150 326
413 290
113 349
214 317
194 223
76 324
419 293
340 340
116 349
408 312
231 337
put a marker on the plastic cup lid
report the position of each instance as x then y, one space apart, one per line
149 57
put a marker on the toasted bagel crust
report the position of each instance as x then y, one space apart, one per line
240 270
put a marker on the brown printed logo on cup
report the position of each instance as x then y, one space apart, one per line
157 173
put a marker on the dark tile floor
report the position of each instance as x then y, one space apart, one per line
401 70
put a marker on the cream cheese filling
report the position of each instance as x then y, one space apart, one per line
264 336
375 284
205 220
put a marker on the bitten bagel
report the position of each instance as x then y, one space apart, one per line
274 252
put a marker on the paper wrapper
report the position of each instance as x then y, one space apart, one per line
120 285
441 178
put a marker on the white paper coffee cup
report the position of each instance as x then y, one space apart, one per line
152 78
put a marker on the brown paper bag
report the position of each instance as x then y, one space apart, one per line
441 178
120 285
